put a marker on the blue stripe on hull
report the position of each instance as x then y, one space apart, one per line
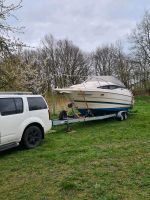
101 111
80 101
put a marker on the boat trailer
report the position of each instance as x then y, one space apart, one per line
121 115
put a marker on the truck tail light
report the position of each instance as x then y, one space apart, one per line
49 114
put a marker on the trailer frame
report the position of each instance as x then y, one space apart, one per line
121 115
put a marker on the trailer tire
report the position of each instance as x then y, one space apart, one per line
125 115
121 117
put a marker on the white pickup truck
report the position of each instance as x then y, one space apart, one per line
24 119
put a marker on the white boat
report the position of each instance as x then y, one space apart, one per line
99 95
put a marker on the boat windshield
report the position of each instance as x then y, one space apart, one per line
110 87
109 79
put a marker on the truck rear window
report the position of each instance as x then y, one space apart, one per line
36 103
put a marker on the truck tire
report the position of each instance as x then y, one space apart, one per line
32 137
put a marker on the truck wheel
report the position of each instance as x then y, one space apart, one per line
32 137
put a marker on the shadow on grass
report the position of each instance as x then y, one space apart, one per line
11 151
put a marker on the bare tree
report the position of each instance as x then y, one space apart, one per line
111 60
104 60
140 41
72 62
64 62
49 60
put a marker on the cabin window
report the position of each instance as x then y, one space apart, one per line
104 87
110 87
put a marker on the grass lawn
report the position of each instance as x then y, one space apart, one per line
103 160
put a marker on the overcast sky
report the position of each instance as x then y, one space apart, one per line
88 23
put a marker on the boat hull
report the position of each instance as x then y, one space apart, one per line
101 102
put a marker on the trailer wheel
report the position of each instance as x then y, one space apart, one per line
125 115
122 116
